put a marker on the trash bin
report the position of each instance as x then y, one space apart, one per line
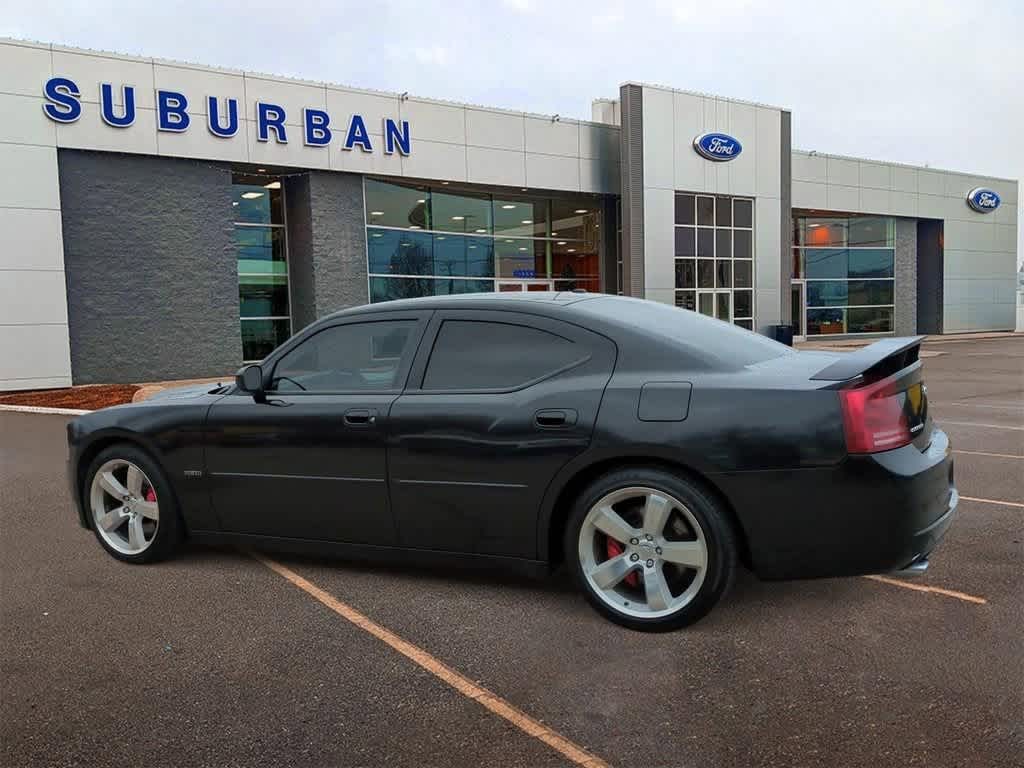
782 334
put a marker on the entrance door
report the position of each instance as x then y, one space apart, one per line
798 298
715 304
516 286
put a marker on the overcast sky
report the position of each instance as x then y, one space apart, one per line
937 82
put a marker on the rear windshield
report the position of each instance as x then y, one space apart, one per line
727 344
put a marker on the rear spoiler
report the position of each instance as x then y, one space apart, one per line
883 358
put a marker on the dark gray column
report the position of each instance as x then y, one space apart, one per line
149 259
786 210
930 265
327 244
905 322
632 172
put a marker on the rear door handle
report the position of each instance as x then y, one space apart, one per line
360 417
555 418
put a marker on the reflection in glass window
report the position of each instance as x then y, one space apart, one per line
393 205
397 252
686 242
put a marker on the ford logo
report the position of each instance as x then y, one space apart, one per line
717 146
983 200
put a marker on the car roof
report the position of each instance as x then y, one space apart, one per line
507 301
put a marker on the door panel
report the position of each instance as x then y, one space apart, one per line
468 470
296 467
311 462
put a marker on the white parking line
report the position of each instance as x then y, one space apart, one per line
982 426
986 453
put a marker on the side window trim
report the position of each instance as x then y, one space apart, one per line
420 319
563 330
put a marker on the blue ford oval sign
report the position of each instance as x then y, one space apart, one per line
717 146
983 200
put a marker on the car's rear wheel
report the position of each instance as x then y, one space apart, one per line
651 550
131 507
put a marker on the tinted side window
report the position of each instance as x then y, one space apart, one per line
358 356
472 355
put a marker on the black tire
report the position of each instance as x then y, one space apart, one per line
169 530
719 537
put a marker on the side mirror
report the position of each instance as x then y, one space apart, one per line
249 379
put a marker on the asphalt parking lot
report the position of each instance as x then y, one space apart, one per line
216 659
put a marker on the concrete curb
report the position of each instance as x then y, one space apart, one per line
40 409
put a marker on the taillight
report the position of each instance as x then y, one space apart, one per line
874 417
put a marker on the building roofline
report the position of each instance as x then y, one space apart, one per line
704 95
138 58
815 153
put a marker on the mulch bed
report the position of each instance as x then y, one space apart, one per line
86 398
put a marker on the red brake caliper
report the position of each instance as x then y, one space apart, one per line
615 548
150 494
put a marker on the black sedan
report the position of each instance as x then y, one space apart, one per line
648 448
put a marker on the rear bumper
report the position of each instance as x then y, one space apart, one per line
870 514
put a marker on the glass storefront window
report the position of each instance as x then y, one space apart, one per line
262 256
848 265
390 205
520 217
714 250
513 241
464 212
253 202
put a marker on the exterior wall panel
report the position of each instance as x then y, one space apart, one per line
140 282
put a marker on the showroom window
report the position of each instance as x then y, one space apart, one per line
714 256
845 264
430 240
264 306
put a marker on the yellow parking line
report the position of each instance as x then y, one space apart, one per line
934 590
993 501
986 453
492 702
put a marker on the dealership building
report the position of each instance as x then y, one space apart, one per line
164 220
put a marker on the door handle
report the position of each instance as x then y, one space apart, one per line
555 418
360 417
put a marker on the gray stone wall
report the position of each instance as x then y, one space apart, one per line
327 244
906 277
152 282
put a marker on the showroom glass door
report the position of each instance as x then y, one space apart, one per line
715 304
798 297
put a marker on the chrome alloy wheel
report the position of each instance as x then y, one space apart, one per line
124 507
643 552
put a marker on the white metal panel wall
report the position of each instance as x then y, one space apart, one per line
452 142
671 120
980 249
34 349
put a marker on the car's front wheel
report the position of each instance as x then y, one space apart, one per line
131 507
651 550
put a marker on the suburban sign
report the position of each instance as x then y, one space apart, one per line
983 200
717 146
63 105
